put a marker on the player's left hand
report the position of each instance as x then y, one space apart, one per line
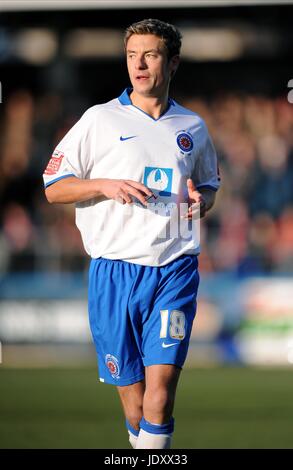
196 200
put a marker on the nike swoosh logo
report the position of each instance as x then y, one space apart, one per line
169 345
127 138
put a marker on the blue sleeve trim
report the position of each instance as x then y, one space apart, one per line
207 186
57 179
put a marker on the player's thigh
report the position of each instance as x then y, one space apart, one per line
167 328
110 285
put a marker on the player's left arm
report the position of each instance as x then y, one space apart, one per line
203 196
209 198
205 178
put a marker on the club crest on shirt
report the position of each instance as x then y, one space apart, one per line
54 163
112 364
185 142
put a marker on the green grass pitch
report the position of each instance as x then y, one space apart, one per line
216 408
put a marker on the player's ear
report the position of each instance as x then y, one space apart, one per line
173 65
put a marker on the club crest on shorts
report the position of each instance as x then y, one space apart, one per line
184 142
112 364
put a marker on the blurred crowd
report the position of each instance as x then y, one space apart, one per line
249 231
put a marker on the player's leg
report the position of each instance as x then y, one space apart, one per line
159 396
131 397
120 363
165 341
157 424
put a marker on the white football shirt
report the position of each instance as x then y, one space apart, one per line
117 140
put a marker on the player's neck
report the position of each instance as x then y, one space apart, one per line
153 105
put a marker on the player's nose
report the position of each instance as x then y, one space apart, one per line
140 63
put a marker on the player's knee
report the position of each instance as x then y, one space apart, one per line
134 418
159 403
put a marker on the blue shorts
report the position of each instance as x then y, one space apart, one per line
141 315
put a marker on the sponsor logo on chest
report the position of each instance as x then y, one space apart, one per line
159 179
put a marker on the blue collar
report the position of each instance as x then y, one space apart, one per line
124 99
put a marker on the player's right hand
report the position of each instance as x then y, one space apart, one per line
124 191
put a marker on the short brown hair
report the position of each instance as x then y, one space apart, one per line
170 35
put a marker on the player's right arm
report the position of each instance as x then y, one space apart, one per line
72 189
67 175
